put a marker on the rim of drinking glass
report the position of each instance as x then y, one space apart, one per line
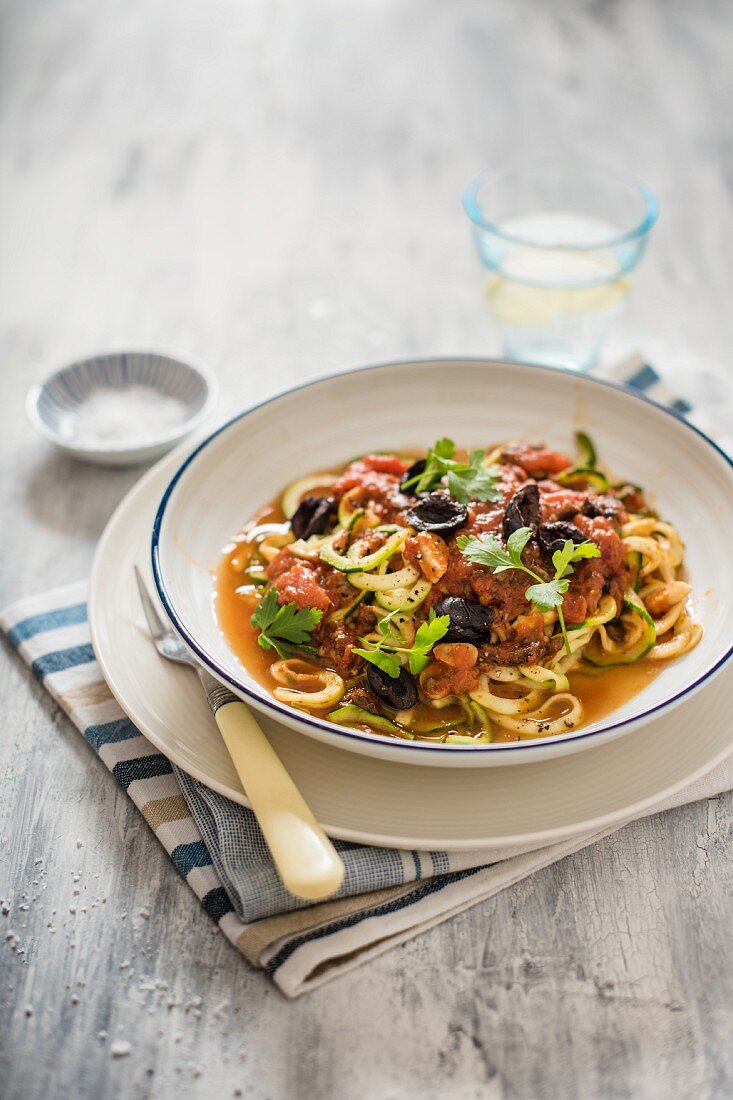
473 210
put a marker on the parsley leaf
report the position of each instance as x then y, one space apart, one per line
473 480
547 595
571 552
516 544
388 662
465 480
427 635
383 654
486 550
285 628
438 461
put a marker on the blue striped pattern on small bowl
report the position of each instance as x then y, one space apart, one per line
53 404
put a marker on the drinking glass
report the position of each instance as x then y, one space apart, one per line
559 245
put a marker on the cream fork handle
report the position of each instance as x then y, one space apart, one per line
308 864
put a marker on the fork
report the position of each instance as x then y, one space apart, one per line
306 860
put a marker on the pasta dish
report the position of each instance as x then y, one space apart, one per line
460 597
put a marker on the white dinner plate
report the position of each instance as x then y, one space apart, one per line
409 404
372 801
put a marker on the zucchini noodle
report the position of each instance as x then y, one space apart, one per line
662 596
404 599
298 675
349 514
502 705
650 551
538 723
387 582
295 492
546 678
272 544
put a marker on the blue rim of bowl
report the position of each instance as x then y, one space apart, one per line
270 704
473 210
172 436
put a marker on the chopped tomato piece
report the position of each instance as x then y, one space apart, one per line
601 531
301 586
458 655
440 679
280 564
575 608
528 627
363 470
386 464
633 499
537 460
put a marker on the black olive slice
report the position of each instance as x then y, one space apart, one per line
608 507
469 622
312 516
400 693
553 536
415 470
437 512
523 509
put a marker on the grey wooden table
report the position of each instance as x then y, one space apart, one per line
274 187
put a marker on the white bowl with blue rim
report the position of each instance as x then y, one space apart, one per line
122 408
404 406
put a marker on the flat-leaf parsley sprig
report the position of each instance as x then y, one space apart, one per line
285 628
465 480
384 653
545 594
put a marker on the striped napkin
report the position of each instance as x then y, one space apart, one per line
387 896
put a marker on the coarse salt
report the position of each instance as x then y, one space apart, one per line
130 415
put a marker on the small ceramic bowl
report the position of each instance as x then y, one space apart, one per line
121 408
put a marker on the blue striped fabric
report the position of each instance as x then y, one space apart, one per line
144 767
62 659
644 378
188 856
47 620
140 765
647 380
242 862
110 733
217 904
229 841
434 886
